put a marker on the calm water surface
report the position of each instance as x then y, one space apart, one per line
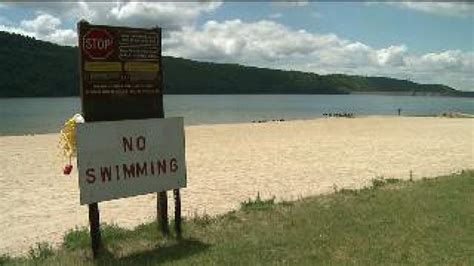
21 116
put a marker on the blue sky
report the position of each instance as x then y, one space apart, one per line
425 42
379 25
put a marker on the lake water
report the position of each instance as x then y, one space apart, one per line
19 116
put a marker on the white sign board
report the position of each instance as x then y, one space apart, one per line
119 159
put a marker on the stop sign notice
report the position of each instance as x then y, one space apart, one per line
98 44
120 72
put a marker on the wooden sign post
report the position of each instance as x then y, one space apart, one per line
121 79
177 213
94 222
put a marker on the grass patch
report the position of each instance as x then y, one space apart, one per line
381 182
377 183
203 220
4 258
258 204
76 238
40 251
426 222
79 237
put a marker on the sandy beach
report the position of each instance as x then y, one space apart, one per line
229 163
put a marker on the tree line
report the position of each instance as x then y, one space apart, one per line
33 68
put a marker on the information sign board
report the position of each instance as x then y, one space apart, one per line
121 76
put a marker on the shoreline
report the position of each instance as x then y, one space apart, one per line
284 120
229 163
457 94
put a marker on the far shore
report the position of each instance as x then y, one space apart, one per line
335 115
457 94
230 163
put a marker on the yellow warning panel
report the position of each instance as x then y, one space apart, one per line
141 66
102 66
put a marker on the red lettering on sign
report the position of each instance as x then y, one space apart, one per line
127 143
136 169
173 165
117 171
152 166
90 173
141 169
106 173
98 44
141 143
128 171
161 166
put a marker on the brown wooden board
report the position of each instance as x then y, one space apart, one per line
120 72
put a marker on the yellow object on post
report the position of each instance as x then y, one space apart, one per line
67 136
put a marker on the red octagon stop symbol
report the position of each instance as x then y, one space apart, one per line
98 44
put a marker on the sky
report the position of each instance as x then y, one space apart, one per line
426 42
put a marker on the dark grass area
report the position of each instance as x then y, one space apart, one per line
424 222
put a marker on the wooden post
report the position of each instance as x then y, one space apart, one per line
162 198
162 212
177 213
94 221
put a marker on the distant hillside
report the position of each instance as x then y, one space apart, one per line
29 67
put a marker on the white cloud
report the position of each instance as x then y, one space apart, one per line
451 67
270 44
265 42
393 55
168 15
63 36
275 15
262 41
44 27
291 3
43 24
453 60
16 30
458 9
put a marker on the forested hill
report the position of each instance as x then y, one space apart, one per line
29 67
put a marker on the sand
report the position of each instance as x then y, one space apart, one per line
229 163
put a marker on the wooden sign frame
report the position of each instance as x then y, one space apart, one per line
121 78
